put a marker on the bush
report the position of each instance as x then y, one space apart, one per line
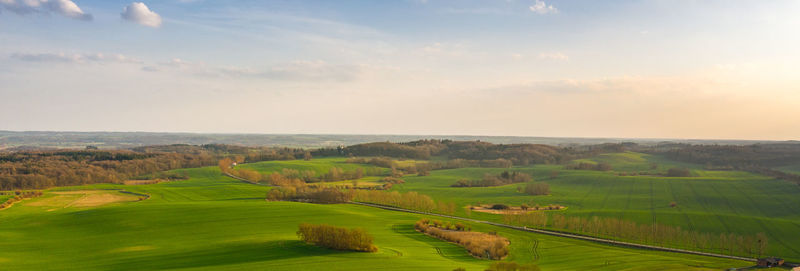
499 207
678 172
538 188
336 237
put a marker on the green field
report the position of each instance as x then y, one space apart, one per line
710 201
790 169
214 222
318 165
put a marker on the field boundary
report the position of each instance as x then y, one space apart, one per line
561 234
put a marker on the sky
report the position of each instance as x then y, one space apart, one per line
625 69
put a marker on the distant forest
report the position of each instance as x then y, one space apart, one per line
39 169
44 169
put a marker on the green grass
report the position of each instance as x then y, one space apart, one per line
795 169
211 222
318 165
710 201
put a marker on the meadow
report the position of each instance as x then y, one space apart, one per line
708 201
212 222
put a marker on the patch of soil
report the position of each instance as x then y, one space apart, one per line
83 198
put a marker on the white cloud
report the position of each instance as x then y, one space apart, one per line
138 12
542 8
65 8
553 56
75 58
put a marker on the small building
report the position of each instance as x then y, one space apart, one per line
770 262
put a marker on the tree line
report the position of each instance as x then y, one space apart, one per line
756 158
339 238
517 154
17 197
495 180
409 200
481 245
653 234
40 169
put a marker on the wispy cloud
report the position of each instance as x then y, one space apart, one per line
301 71
541 7
75 58
65 8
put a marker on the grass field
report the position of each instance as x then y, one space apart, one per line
318 165
791 169
710 201
211 222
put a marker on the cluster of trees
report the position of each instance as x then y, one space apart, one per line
536 188
410 200
481 245
339 238
655 234
312 194
40 169
18 196
495 180
602 166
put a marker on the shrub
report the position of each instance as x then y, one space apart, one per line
499 207
678 172
336 237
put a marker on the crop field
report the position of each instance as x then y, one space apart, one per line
318 165
211 222
791 169
709 201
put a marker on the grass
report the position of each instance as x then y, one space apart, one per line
710 201
211 222
794 169
318 165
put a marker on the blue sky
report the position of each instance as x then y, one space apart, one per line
658 69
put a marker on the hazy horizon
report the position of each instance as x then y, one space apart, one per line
528 68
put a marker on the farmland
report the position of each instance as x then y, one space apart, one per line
709 201
214 222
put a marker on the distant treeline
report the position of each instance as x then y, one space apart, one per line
518 154
654 234
44 169
757 158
